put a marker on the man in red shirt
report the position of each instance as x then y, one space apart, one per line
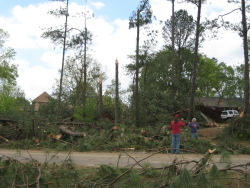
175 127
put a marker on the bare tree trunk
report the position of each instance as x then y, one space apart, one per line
100 97
246 58
116 93
173 63
196 59
137 105
85 66
64 44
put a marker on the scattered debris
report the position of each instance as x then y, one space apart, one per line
9 129
209 121
56 137
4 139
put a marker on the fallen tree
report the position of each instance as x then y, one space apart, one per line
71 133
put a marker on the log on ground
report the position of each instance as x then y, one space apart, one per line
71 133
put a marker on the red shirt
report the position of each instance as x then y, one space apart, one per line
176 127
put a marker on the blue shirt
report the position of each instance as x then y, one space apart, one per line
194 127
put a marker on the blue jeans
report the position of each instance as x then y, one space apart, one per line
175 146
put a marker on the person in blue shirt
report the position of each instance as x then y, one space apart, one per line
194 127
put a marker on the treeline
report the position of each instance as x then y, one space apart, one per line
163 80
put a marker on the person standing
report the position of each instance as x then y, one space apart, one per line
175 127
194 127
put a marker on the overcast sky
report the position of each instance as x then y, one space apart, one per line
39 61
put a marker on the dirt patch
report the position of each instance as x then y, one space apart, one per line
210 133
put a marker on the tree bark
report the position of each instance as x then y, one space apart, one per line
137 105
100 97
196 59
64 49
71 133
173 64
85 65
246 58
116 93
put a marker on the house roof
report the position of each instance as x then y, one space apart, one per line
44 97
220 102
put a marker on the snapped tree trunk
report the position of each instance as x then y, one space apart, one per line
100 97
116 93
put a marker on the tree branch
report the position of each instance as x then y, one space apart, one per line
229 12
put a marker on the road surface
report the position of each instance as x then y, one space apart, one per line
122 159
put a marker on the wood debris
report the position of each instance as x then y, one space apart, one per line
71 133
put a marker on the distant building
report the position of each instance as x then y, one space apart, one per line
218 103
40 100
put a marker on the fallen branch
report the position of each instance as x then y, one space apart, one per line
111 183
203 161
134 160
58 137
4 139
234 168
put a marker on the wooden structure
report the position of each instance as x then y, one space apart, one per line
40 100
220 104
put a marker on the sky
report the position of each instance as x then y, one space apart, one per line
39 60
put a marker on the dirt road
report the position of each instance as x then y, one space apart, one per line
95 159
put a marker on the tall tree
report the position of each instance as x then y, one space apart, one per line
100 97
174 78
116 92
74 81
74 39
63 56
13 104
246 57
142 16
198 3
8 71
81 42
59 36
184 33
242 29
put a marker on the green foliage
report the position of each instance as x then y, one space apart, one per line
48 111
14 173
107 173
225 157
214 173
197 145
184 31
8 71
238 128
132 179
84 146
144 16
184 180
87 113
6 103
202 180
